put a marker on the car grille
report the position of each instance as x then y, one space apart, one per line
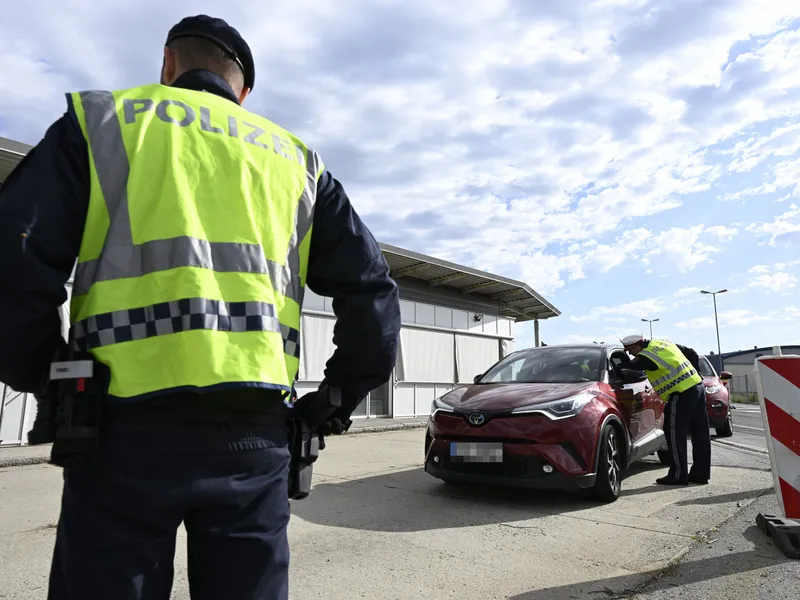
514 468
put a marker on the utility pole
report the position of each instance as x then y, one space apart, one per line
651 321
716 323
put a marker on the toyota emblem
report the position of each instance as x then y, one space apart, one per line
476 419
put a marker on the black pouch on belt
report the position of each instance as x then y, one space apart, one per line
82 385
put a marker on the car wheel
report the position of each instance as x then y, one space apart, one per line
727 429
665 457
608 485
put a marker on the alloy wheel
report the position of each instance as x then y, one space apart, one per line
612 455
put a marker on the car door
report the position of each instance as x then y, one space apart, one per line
638 402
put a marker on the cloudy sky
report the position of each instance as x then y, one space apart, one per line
617 155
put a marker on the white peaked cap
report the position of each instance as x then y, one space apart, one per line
629 340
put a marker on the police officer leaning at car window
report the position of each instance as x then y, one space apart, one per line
674 372
192 228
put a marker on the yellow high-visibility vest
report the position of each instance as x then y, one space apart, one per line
192 266
675 374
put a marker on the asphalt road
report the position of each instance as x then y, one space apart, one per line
376 526
748 426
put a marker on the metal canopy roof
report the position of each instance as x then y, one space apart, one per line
515 299
11 154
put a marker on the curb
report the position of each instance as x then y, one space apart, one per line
381 428
746 447
24 461
677 559
40 459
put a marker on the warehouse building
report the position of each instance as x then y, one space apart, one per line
741 364
457 322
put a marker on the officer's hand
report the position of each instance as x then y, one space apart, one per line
334 426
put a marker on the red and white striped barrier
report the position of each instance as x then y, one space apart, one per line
778 383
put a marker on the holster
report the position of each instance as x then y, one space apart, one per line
310 413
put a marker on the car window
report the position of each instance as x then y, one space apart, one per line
548 365
509 373
619 360
706 370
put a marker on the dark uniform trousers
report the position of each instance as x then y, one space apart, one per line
226 482
686 414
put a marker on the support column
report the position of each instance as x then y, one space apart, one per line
536 332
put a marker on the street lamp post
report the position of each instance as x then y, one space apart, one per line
650 321
716 322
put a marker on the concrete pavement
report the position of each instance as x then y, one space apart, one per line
736 561
376 526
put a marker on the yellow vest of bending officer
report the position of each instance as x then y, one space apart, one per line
192 267
674 373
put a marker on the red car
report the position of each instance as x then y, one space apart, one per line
717 398
553 417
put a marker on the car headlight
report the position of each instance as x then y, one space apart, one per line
560 409
439 405
713 389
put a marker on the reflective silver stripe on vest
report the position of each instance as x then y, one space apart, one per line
655 358
121 258
673 373
664 389
182 315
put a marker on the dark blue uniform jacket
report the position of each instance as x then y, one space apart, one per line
43 206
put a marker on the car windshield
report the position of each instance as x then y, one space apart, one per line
548 365
706 370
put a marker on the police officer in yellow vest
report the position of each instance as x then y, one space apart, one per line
673 370
197 226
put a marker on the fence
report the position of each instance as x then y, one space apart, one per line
742 389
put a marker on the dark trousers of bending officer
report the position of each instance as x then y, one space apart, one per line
686 414
184 321
674 373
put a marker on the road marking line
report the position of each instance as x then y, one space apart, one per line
746 427
742 447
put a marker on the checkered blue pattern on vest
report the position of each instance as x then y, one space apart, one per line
182 315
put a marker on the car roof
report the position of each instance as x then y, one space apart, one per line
575 346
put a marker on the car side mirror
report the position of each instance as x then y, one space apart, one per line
726 376
633 376
477 378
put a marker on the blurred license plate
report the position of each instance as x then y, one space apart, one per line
483 452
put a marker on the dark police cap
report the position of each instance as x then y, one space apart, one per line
223 35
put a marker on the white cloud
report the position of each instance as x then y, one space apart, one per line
779 277
545 271
774 282
648 308
785 227
489 119
684 249
559 142
605 257
744 318
783 141
776 267
784 179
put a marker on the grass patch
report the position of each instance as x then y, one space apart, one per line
741 398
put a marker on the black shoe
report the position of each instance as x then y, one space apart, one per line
698 481
671 481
